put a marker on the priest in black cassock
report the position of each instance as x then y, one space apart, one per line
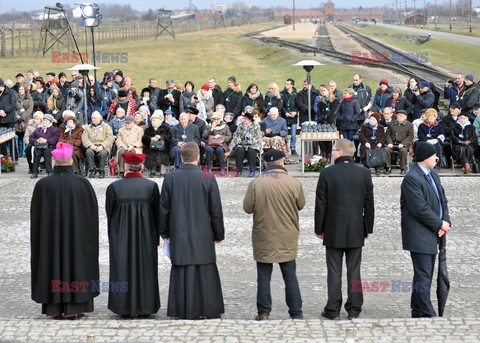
191 220
132 206
64 240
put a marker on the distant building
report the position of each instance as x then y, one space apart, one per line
219 7
415 19
330 13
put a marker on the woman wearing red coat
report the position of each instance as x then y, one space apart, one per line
71 132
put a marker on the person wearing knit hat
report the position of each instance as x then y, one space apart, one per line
233 97
133 199
43 139
205 87
157 153
233 79
425 221
383 96
371 137
468 96
424 99
71 133
432 132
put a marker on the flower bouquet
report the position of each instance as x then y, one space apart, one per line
6 165
316 163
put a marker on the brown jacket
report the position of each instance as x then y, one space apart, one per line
274 199
75 139
98 135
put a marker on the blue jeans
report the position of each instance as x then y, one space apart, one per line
292 289
219 151
293 139
175 154
348 134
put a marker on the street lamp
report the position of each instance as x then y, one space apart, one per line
83 70
308 65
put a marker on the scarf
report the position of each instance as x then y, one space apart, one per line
254 96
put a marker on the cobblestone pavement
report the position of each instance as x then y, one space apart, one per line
385 316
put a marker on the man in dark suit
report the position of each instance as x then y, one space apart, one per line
425 218
344 215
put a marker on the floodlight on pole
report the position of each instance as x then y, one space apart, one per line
308 65
83 70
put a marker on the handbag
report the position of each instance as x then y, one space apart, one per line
213 141
113 166
157 145
376 158
39 146
475 166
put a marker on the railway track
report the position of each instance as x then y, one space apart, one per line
325 47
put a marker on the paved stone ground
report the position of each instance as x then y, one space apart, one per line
385 316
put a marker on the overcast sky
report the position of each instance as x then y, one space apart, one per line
142 5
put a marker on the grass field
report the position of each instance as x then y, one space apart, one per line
456 30
196 57
444 53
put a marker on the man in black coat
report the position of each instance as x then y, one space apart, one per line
233 97
217 93
64 240
191 221
425 218
183 133
302 101
7 112
343 225
132 206
289 112
169 99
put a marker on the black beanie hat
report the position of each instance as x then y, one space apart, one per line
423 151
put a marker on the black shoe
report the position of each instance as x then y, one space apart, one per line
297 317
330 316
353 315
92 174
29 171
377 171
120 175
152 174
263 316
403 172
33 176
101 174
294 153
388 171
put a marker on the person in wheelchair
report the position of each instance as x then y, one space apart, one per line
399 138
97 139
71 132
275 132
463 142
431 131
247 141
213 137
371 136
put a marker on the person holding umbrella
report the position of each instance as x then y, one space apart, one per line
425 220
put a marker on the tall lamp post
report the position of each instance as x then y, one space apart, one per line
293 15
83 70
308 65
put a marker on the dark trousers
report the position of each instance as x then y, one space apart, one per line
175 154
219 151
423 265
240 153
28 155
47 157
402 153
102 157
334 257
348 134
292 289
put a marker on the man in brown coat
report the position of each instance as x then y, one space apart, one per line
399 138
275 200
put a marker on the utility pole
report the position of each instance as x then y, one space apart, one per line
450 19
398 11
436 14
424 14
293 15
470 5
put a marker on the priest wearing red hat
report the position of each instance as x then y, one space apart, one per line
132 206
64 240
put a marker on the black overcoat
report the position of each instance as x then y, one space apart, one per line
344 204
63 237
191 215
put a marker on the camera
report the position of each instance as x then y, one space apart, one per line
72 93
195 97
450 81
415 89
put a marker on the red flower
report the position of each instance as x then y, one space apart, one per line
324 160
307 160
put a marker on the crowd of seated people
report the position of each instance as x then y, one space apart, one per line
231 124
